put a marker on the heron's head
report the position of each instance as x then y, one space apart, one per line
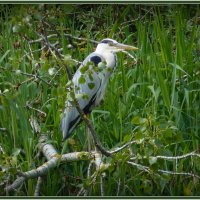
113 46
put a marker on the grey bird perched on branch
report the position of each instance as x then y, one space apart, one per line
90 82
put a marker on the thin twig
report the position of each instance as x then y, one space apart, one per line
82 192
40 111
118 187
55 74
35 76
90 168
178 173
170 157
179 157
41 39
61 63
139 166
34 124
122 147
102 185
37 50
66 35
31 53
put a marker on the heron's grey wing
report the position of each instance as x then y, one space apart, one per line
89 89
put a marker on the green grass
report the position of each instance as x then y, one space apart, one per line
144 101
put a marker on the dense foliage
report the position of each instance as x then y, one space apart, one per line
155 102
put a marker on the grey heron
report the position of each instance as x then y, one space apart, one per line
91 80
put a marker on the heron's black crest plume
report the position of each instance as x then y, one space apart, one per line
105 41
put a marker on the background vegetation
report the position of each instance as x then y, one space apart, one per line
155 101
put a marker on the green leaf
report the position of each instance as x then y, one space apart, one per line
81 80
83 69
127 138
91 85
178 67
90 76
163 87
139 138
16 152
139 120
152 160
5 54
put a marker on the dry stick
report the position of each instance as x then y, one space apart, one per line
118 186
179 173
60 59
148 170
122 147
38 50
51 47
55 74
31 75
81 38
179 157
66 35
26 81
139 166
31 52
37 110
34 76
191 154
101 185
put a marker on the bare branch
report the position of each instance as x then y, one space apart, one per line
66 35
53 159
191 154
139 166
179 157
30 107
81 38
35 76
38 186
61 63
82 192
147 169
37 50
102 185
179 173
35 126
122 147
118 187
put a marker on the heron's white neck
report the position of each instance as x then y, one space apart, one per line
108 55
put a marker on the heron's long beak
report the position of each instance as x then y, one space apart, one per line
125 47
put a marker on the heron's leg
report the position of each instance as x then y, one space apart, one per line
90 139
